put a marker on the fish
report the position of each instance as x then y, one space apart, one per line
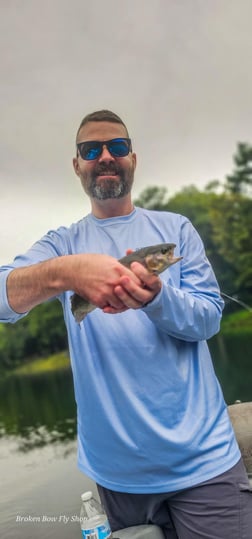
155 258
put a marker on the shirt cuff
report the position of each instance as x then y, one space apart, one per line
6 312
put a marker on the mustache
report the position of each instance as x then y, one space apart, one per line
106 169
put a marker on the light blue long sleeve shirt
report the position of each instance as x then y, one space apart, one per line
151 413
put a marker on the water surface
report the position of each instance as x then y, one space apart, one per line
39 480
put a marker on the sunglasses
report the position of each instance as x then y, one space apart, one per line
91 149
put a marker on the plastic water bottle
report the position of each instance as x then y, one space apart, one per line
93 519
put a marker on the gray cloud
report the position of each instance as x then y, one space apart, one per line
178 72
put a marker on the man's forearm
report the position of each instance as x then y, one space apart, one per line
29 286
92 276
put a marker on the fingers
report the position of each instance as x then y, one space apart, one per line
95 276
117 288
111 310
115 305
134 295
149 280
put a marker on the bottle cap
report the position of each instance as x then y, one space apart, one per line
86 495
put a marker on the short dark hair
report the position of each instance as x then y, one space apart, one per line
102 116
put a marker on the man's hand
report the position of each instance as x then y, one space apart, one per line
135 294
96 277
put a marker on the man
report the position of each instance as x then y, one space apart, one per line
153 428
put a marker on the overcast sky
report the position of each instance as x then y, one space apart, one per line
177 71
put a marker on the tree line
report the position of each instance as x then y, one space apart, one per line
222 214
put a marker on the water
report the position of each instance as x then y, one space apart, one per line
39 480
232 358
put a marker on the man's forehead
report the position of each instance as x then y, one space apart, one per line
101 131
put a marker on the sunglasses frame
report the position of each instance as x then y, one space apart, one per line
101 143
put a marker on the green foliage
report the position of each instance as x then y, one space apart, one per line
39 366
222 214
153 198
237 323
231 218
240 181
40 333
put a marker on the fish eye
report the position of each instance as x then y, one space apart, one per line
164 250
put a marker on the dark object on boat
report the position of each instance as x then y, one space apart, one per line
241 417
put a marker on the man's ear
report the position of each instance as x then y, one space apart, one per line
134 159
76 166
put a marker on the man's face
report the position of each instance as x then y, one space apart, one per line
106 176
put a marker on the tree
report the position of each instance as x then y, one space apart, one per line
153 198
224 222
240 181
231 219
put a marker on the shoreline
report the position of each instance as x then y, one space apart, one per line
232 325
42 365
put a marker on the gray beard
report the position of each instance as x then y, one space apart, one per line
109 189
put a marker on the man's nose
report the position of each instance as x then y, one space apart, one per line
106 155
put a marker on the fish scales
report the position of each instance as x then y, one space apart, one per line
155 258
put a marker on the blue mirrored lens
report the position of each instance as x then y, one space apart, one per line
92 153
118 148
90 150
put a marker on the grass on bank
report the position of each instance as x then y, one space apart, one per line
238 323
51 363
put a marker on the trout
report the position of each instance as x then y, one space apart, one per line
155 258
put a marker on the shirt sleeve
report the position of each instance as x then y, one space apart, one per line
51 245
189 307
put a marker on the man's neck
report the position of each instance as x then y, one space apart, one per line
103 209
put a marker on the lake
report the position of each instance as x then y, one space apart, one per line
40 482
